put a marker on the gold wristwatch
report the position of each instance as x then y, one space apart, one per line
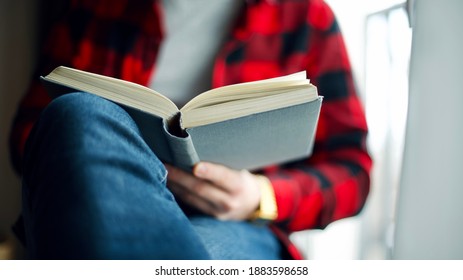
267 210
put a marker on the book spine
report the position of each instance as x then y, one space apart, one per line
182 151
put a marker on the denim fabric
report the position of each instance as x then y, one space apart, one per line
92 189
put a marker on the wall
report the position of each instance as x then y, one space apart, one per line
17 56
429 223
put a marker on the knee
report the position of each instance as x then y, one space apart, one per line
79 121
81 114
83 129
82 109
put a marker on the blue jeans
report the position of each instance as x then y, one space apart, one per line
92 189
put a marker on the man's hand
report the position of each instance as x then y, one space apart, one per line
216 190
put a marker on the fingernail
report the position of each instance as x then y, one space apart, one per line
200 169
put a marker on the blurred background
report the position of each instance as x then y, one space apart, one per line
378 35
18 39
378 38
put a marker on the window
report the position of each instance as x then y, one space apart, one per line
378 39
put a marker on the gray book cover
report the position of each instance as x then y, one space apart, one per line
261 139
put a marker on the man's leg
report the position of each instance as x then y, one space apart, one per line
226 240
93 189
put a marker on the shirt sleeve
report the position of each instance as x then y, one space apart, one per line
334 182
120 41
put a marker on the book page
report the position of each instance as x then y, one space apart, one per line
243 99
246 90
116 90
220 111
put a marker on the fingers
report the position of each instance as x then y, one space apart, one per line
219 175
216 190
191 199
179 176
197 192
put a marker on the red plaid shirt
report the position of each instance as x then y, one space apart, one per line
271 38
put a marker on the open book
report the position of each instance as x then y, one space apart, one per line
243 126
